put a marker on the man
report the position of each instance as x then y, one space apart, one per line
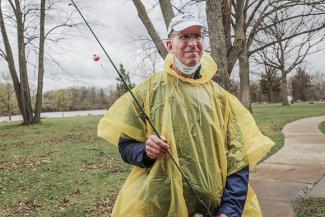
213 138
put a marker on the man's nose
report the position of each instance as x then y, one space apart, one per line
192 42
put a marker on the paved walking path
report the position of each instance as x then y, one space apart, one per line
297 169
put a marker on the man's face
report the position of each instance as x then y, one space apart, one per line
187 45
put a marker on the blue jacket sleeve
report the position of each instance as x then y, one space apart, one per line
134 153
235 193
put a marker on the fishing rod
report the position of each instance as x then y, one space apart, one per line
201 202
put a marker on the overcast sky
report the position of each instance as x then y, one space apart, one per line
120 23
116 24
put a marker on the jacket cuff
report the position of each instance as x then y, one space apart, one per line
147 162
228 211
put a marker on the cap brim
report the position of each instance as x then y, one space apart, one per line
181 26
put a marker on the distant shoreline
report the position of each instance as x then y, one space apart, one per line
56 115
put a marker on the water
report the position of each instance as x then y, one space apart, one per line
57 115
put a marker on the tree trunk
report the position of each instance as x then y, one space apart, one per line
24 86
233 51
245 96
9 103
271 98
142 13
240 39
214 11
11 63
167 11
38 104
226 17
284 88
261 93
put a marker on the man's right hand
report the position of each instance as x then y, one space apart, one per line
156 147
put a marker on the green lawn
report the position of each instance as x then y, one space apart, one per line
314 207
322 127
61 168
58 168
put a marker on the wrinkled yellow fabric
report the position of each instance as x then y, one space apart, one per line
211 136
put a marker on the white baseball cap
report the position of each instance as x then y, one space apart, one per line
183 21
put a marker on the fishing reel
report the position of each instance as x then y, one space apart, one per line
199 214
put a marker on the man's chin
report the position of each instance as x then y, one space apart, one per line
192 62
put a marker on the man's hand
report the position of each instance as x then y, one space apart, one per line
156 147
222 215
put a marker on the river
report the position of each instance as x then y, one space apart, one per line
57 115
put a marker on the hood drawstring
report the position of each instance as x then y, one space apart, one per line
177 91
198 103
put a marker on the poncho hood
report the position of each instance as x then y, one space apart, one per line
208 69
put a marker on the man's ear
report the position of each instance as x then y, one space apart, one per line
169 46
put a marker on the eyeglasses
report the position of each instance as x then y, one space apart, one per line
188 37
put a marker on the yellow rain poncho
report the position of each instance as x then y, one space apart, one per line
211 135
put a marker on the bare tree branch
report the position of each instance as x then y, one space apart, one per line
167 11
285 52
142 13
3 54
286 38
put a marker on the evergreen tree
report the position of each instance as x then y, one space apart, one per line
301 84
270 83
120 87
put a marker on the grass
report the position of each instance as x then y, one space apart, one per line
58 168
61 168
314 207
322 127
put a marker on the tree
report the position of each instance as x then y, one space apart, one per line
77 98
255 90
23 19
257 22
301 85
292 43
63 100
8 105
102 98
120 87
318 86
22 86
38 103
270 83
